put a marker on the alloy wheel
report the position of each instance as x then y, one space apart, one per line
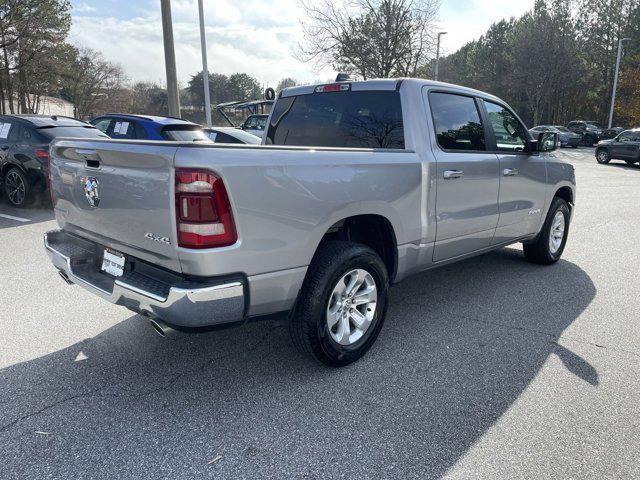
15 188
556 234
352 307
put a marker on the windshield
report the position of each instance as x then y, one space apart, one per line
81 131
185 133
361 119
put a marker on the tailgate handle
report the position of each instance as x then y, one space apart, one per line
91 157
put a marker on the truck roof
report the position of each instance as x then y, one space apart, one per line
387 84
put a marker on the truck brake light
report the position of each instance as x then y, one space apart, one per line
333 87
203 211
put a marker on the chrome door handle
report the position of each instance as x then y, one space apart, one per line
451 174
510 172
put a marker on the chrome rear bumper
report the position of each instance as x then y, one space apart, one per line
182 303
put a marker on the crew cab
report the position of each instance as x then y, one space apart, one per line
357 185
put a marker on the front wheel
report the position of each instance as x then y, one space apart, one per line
631 163
549 245
342 303
602 156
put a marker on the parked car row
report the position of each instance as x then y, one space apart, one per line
566 137
25 139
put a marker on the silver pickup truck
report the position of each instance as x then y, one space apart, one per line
357 185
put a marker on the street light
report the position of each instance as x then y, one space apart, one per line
438 54
205 69
615 79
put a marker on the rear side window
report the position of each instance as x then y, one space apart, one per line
123 129
509 133
457 122
79 132
221 137
184 133
365 119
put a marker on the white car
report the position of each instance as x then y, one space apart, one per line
232 135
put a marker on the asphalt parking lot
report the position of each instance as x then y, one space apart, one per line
491 368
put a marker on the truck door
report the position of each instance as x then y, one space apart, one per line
467 176
523 175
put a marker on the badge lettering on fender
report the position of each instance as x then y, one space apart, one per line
157 238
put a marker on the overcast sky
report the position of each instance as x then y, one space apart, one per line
252 36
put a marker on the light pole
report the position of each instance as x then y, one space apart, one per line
173 98
438 55
205 69
615 80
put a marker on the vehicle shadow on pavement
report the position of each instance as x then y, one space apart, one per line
460 345
36 213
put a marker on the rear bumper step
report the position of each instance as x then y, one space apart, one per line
182 303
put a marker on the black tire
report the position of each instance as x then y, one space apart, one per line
16 187
539 251
631 163
602 156
588 141
308 325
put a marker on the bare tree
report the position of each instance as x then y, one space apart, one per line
286 83
90 82
369 38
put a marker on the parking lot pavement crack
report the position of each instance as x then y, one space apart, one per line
28 415
100 391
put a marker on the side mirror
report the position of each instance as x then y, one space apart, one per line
548 142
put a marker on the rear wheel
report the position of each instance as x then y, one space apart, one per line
630 162
602 156
549 245
16 187
342 303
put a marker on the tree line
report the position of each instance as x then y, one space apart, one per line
553 64
556 63
36 61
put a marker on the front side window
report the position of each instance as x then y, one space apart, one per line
102 125
509 133
360 119
625 137
457 122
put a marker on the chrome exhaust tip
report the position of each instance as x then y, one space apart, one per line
161 328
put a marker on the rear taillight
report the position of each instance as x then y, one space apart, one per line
43 155
203 211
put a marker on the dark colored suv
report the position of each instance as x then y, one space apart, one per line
24 151
590 132
625 146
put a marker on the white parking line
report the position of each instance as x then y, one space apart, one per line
17 219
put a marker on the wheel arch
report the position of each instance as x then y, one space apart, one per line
373 230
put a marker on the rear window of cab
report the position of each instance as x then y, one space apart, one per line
360 119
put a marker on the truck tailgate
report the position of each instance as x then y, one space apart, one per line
119 194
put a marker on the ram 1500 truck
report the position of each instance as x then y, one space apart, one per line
357 185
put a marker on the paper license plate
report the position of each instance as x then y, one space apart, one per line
113 263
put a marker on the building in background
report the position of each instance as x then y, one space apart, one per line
43 105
